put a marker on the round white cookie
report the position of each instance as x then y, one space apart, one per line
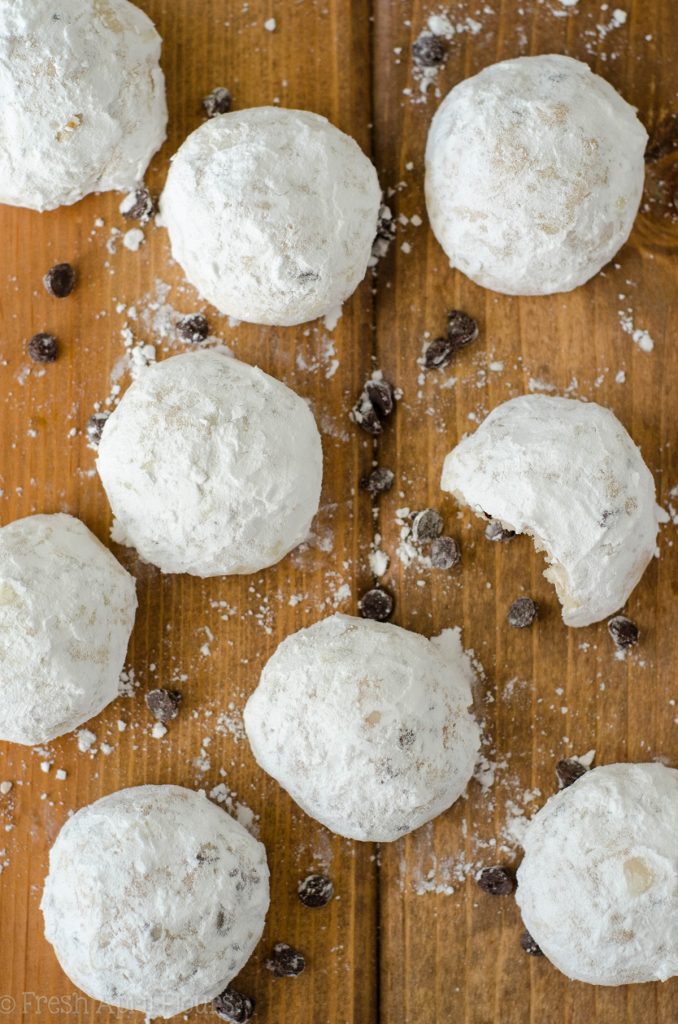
598 888
155 899
568 474
272 214
66 613
366 725
534 174
83 99
211 466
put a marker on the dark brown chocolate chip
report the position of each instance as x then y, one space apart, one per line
139 205
378 481
445 553
285 961
497 881
462 329
217 102
43 348
164 704
429 50
522 613
427 525
233 1006
375 404
568 771
95 427
438 354
60 280
193 328
495 532
623 631
377 604
529 945
316 891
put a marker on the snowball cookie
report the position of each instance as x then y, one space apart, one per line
534 174
272 214
66 613
598 888
211 466
82 96
366 725
155 899
568 474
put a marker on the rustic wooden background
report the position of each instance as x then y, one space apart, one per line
409 937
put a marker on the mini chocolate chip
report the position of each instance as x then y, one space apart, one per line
60 280
445 553
217 102
438 354
462 329
623 631
380 395
568 771
315 891
378 481
285 961
497 881
427 525
233 1006
164 704
95 427
429 50
43 348
529 945
522 613
139 205
495 531
193 328
377 604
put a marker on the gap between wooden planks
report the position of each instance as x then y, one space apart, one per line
380 951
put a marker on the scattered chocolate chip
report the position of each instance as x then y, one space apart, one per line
495 531
95 427
285 961
60 280
522 613
375 404
193 328
427 525
568 771
315 891
164 704
445 553
378 481
438 354
497 881
623 631
217 102
462 329
429 50
233 1006
43 348
139 205
529 945
377 604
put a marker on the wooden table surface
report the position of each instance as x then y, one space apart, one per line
408 938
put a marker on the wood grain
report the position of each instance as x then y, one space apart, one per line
409 938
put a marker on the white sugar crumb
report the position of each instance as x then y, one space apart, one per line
639 336
270 24
86 740
61 774
45 766
158 731
5 788
133 239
